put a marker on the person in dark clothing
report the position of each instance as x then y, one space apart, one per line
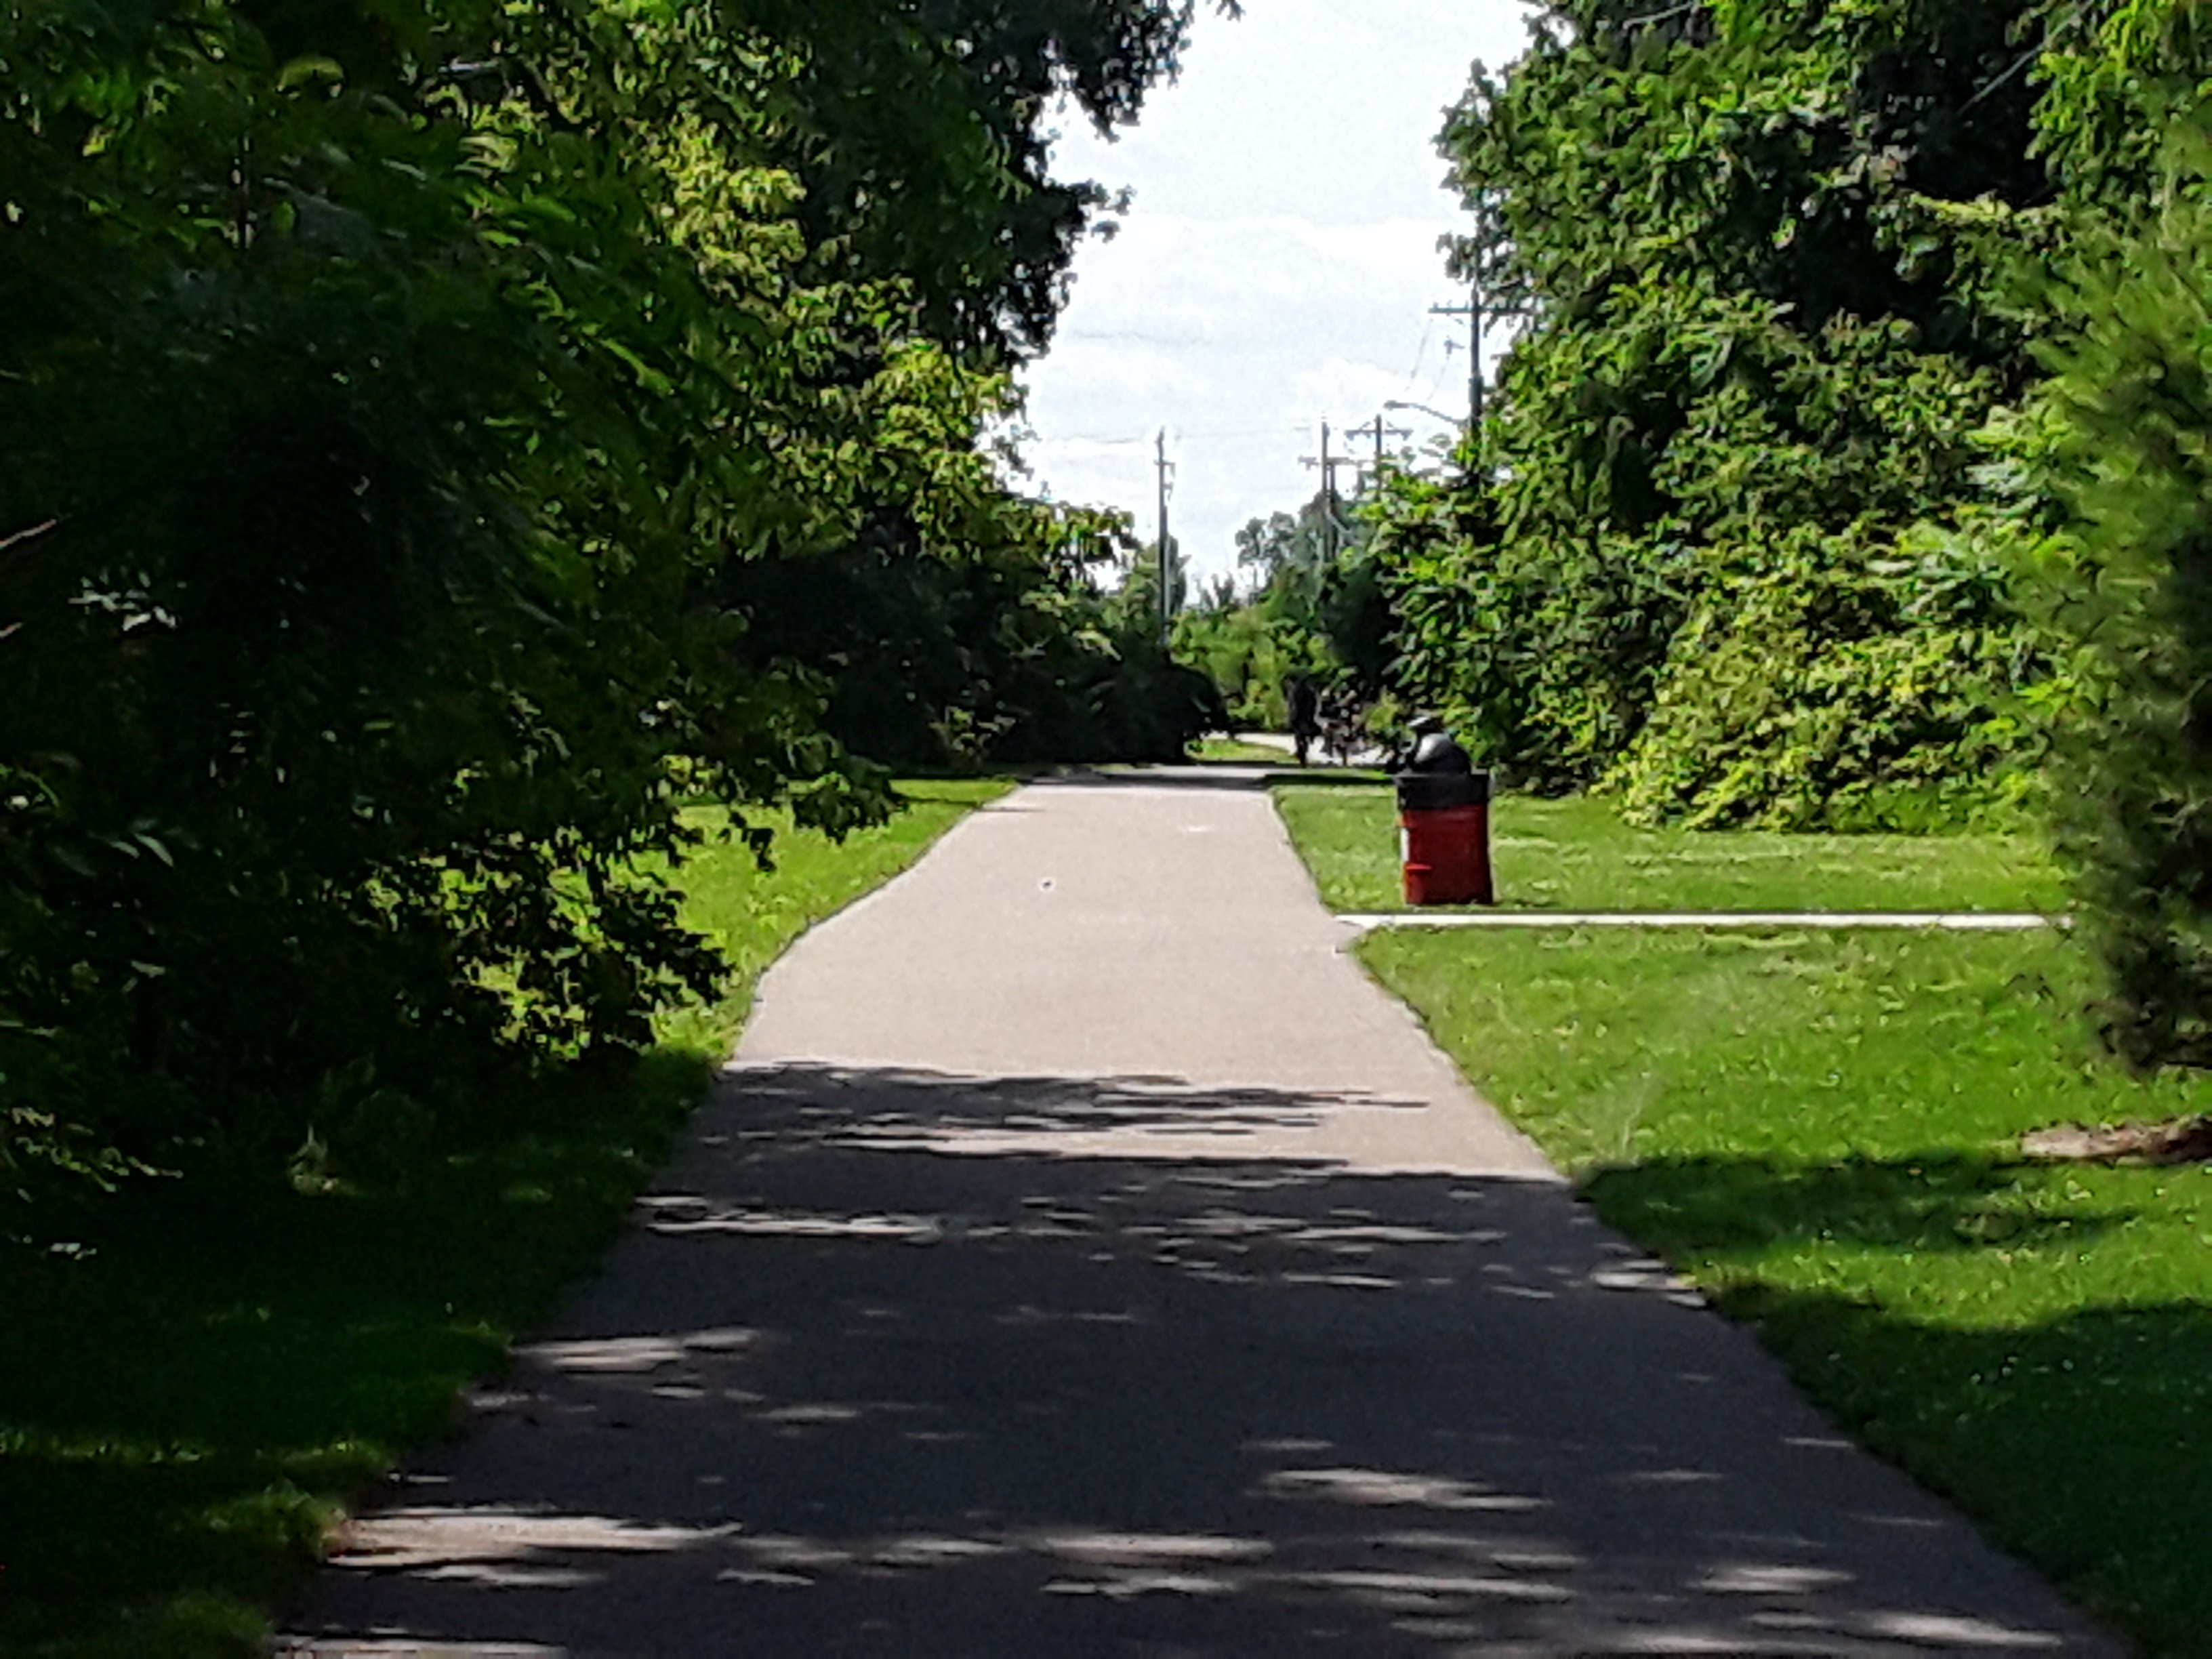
1303 702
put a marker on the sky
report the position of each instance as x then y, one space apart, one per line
1276 267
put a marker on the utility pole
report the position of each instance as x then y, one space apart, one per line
1379 432
1327 500
1488 239
1167 596
1327 464
1473 312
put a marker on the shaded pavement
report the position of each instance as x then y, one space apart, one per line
1082 1257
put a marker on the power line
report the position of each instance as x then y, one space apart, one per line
1420 353
2072 17
1666 16
1140 337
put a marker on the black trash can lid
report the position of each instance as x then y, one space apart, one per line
1436 752
1439 792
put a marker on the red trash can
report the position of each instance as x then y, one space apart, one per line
1443 825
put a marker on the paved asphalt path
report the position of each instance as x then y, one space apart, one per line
1082 1257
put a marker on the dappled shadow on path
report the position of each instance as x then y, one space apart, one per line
887 1369
2056 1379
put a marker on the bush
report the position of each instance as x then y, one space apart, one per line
1823 690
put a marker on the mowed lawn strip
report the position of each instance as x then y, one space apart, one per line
1574 853
185 1408
1237 751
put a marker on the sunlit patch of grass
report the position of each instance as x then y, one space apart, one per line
186 1404
1574 853
1821 1129
1236 750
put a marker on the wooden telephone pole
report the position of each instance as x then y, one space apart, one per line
1327 464
1473 312
1167 592
1379 432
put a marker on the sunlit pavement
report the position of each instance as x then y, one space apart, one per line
1082 1257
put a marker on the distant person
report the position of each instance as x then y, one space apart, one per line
1340 726
1303 702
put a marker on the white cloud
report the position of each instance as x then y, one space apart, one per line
1279 266
1129 368
1240 336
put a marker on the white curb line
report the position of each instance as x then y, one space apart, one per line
1956 921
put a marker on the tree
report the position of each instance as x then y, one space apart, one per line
1756 352
2122 430
402 404
1316 608
2103 512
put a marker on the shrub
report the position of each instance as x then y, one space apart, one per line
2124 443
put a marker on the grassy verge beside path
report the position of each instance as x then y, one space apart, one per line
1238 752
1575 855
184 1407
1820 1130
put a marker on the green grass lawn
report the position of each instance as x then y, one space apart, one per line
1820 1129
1237 751
184 1409
1575 855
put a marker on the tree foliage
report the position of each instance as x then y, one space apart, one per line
418 418
2124 444
1314 609
1755 361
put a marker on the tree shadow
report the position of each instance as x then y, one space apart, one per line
1939 1200
215 1361
902 1362
2077 1438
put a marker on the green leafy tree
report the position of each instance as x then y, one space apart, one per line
1756 352
1316 609
398 399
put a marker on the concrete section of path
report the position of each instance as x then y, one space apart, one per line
1082 1257
1159 936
